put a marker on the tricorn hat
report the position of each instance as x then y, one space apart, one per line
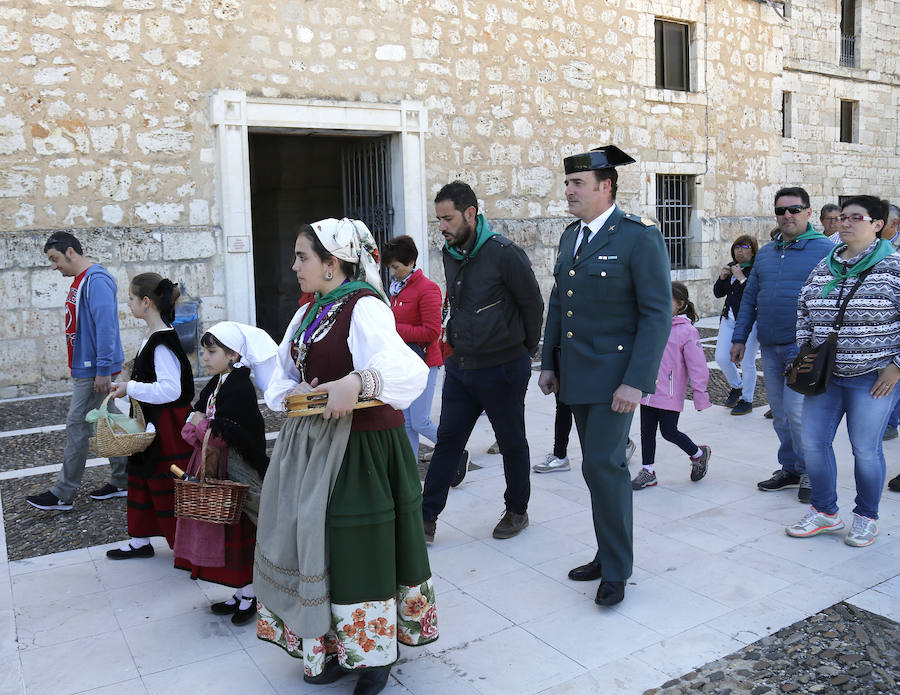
598 158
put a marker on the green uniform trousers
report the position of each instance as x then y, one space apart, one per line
604 435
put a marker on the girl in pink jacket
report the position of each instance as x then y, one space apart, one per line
683 359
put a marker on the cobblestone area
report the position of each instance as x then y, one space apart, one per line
30 450
19 415
31 532
843 649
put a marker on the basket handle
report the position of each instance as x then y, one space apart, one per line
201 469
204 450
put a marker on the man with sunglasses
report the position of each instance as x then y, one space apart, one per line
770 299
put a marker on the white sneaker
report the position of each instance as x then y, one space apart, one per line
551 463
629 450
862 531
813 523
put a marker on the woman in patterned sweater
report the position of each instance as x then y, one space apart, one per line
865 372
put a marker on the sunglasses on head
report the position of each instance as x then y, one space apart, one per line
793 209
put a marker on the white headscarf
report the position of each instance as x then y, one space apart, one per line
257 350
351 241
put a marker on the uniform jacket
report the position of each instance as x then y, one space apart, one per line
610 311
682 360
98 347
417 312
771 291
495 305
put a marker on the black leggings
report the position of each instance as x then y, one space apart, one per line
561 428
667 420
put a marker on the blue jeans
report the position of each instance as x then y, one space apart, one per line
748 364
786 405
500 392
866 420
417 417
894 419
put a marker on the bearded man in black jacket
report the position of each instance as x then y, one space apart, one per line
493 311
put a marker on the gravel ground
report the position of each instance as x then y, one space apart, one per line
843 649
31 532
30 450
39 412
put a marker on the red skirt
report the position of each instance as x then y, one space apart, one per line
240 545
151 488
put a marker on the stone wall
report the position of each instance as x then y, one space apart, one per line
32 342
104 123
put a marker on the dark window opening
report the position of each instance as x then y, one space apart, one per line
848 114
672 55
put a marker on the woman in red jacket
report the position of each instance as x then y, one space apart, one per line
416 303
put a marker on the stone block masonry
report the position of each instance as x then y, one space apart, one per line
32 340
105 124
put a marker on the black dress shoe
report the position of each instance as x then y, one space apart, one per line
224 607
119 554
610 593
372 680
330 673
242 616
586 573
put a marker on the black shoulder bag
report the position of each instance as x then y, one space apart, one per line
810 371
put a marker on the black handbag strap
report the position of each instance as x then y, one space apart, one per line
839 321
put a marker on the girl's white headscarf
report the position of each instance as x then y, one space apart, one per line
351 241
257 350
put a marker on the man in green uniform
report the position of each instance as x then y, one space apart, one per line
608 321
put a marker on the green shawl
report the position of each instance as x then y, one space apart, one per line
841 272
483 232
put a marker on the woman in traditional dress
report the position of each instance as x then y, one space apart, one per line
341 571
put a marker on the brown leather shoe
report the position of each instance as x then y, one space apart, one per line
610 593
586 573
429 527
511 525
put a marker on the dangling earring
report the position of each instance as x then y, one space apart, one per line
329 275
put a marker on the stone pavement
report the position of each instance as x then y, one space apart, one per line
714 573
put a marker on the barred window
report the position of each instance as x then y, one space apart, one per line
848 33
674 204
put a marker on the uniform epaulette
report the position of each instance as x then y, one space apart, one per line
646 221
500 239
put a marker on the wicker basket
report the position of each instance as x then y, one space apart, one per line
209 499
108 441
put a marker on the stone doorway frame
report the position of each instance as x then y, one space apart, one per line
233 113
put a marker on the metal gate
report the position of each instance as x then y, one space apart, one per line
366 182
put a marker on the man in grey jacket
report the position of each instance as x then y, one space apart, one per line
493 310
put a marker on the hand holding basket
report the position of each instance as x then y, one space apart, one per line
208 499
110 439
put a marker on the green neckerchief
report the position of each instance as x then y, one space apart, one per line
321 300
483 232
746 264
810 233
841 272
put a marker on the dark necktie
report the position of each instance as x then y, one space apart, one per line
585 233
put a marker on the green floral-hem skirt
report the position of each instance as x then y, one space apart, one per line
380 585
363 635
